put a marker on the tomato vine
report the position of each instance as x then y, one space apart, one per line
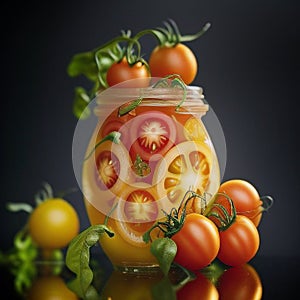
94 64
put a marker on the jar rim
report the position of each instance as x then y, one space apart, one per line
188 100
150 91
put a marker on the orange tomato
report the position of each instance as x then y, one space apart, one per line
239 242
122 71
197 242
178 59
245 198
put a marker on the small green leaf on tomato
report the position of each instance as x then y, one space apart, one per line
164 249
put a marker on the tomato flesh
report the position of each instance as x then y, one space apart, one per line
108 167
152 133
140 210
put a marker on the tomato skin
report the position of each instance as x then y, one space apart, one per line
178 59
239 243
53 224
201 288
245 198
240 283
122 71
198 242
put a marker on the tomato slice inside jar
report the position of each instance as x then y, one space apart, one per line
186 167
136 211
152 133
194 130
107 169
105 173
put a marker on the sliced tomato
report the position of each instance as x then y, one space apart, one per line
114 122
107 169
105 174
194 130
187 166
140 209
110 125
136 212
152 133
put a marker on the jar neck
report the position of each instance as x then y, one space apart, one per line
189 100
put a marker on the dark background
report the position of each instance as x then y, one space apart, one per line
248 67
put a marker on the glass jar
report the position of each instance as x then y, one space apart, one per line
148 148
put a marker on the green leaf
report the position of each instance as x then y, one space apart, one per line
81 101
78 258
164 249
105 57
83 64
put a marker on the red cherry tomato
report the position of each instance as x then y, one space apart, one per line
239 243
197 242
122 71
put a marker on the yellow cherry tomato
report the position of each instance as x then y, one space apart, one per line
53 224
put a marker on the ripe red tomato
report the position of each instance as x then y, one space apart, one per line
200 288
178 59
122 71
239 243
198 242
240 283
245 198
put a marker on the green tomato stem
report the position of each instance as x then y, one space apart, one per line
189 38
113 136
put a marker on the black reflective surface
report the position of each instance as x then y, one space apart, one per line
277 277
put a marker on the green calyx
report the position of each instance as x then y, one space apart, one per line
224 214
174 220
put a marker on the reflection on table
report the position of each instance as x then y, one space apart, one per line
49 280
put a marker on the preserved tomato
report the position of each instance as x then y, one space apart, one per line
152 133
162 151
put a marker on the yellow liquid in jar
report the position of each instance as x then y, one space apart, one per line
183 159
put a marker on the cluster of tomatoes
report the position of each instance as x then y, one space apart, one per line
227 232
121 59
163 60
